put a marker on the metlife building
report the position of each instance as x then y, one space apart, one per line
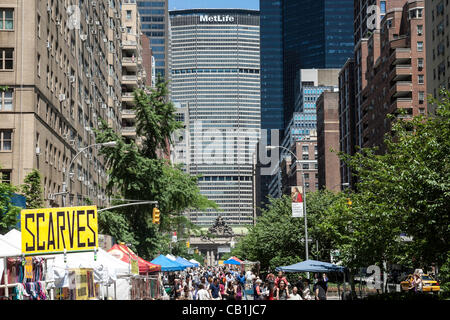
215 72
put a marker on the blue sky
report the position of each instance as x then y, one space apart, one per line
235 4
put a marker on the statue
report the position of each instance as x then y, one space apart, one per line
220 228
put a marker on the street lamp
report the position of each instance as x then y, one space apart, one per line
304 195
66 182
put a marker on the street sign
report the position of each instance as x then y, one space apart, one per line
51 230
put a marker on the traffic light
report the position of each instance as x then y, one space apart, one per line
188 244
156 214
349 202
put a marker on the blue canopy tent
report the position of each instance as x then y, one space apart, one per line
232 261
184 262
167 264
312 266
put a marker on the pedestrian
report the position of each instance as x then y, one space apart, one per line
257 290
230 291
281 278
177 289
238 290
300 286
214 290
187 294
325 282
319 291
282 292
295 295
306 292
202 293
417 281
222 288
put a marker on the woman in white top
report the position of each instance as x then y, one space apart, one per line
202 293
417 281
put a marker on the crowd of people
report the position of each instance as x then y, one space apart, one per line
231 283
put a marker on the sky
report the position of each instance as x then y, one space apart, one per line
213 4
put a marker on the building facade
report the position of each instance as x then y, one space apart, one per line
437 32
134 75
215 72
310 84
154 16
328 141
347 119
61 72
396 72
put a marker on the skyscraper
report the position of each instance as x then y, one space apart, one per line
298 35
154 18
215 74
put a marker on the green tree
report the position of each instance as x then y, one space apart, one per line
407 190
32 190
9 213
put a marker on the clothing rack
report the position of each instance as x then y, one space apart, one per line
8 285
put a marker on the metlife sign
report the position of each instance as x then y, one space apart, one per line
217 19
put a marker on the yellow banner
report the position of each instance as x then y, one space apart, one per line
81 284
55 229
134 266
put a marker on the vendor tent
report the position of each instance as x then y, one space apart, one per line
106 268
167 264
184 262
195 262
233 260
312 266
124 253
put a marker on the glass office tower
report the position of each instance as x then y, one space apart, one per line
154 20
298 35
317 34
215 72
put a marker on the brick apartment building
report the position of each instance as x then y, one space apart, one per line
395 72
61 67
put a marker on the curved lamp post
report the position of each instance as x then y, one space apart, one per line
65 192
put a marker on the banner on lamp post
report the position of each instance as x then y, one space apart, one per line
297 201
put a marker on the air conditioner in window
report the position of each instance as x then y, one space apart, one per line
48 45
83 37
72 142
62 97
38 151
71 79
104 106
81 178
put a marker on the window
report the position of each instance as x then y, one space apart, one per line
305 157
421 79
421 96
5 140
6 19
6 58
128 14
420 46
306 166
6 100
420 63
5 176
419 30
